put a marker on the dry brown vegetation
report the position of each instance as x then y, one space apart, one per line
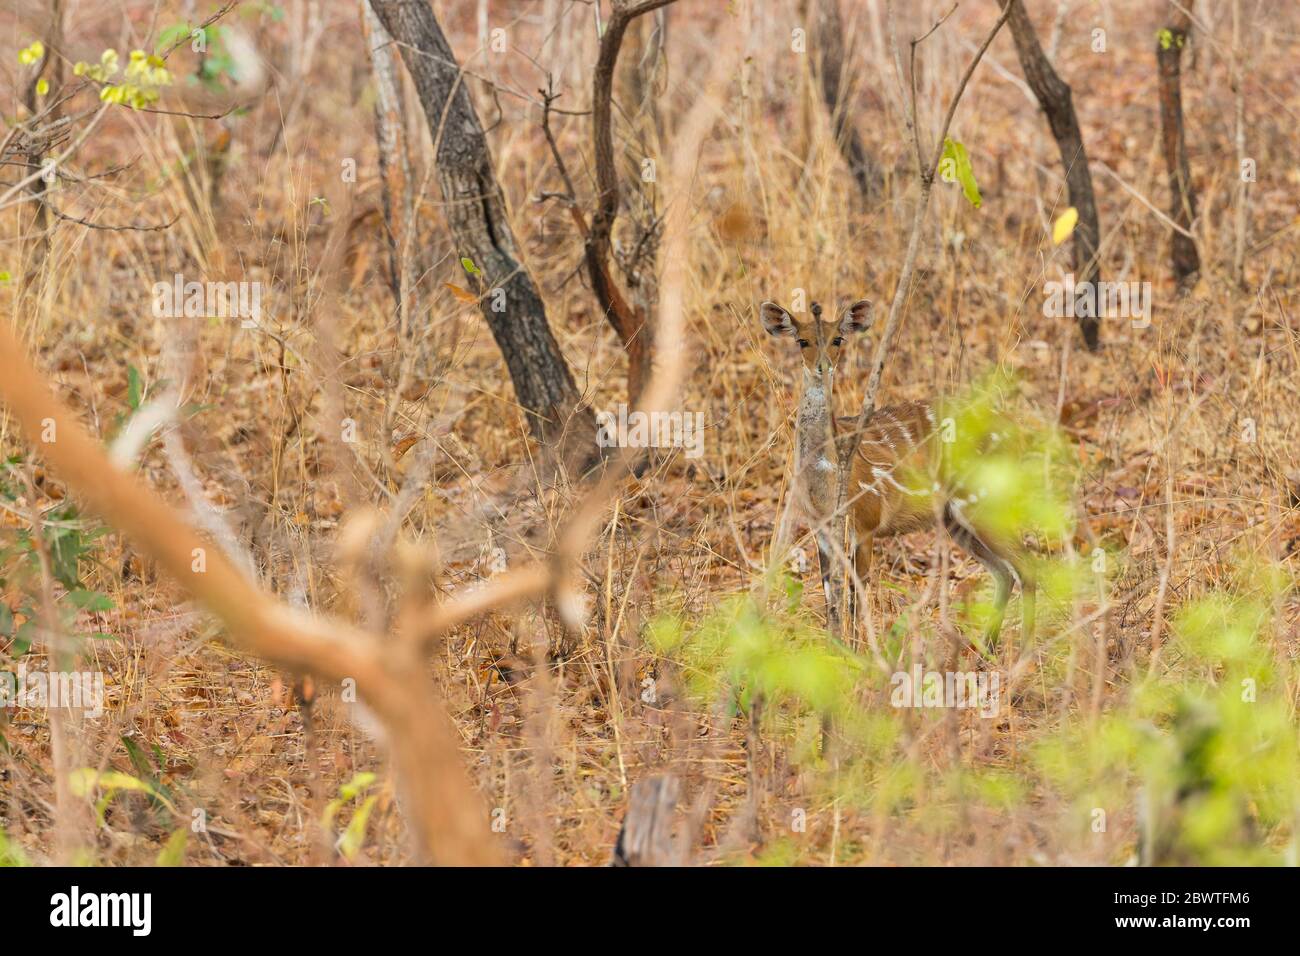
1184 431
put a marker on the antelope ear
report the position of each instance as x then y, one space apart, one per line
857 317
776 320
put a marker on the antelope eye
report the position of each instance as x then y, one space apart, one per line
838 340
802 343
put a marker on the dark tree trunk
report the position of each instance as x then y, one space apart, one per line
828 41
476 213
1169 53
1057 101
627 319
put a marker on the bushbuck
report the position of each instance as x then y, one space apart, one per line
890 485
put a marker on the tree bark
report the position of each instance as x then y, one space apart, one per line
1057 101
476 214
1169 53
828 40
394 170
51 63
1241 217
646 837
628 320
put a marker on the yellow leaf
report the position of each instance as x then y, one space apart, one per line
404 445
460 293
83 782
32 54
1065 226
355 835
86 780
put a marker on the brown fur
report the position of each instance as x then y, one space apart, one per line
890 480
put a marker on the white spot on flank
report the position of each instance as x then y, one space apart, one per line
887 474
870 492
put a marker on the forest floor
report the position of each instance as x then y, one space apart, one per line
1184 431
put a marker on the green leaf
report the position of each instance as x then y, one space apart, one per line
87 780
90 600
173 853
138 758
133 390
955 166
793 593
174 33
10 853
23 639
66 549
895 637
468 265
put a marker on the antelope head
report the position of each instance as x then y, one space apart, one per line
820 343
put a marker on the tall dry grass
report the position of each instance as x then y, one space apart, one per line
1169 488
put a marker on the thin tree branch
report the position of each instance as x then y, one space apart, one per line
927 174
627 321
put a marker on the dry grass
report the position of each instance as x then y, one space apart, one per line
554 746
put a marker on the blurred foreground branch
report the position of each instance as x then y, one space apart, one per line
447 815
446 812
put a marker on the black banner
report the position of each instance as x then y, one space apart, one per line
340 906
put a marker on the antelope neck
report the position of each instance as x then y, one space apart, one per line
816 424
